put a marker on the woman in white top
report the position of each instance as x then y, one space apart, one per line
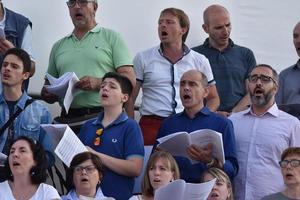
84 177
26 170
160 170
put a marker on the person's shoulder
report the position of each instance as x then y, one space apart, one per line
275 196
287 71
149 52
237 115
197 54
14 13
242 49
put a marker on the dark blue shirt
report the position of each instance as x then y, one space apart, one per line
230 68
204 119
121 139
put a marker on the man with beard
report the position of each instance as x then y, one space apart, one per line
262 133
90 51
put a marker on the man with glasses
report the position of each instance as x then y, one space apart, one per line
90 51
262 133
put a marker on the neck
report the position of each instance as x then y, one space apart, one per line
21 181
12 93
111 114
173 51
191 112
217 46
79 32
292 192
86 192
260 110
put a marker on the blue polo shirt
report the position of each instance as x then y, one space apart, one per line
121 139
204 119
230 68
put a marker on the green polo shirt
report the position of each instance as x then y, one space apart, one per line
100 51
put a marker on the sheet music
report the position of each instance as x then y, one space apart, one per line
64 87
66 143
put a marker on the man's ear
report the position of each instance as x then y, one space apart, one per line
26 75
206 91
205 28
95 7
125 98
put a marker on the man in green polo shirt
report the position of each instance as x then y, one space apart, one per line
90 51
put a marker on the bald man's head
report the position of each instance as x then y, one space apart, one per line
213 10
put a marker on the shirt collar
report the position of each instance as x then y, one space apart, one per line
203 111
206 44
185 48
96 29
21 102
273 110
122 117
297 65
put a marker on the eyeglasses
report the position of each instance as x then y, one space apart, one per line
89 169
263 78
97 140
81 3
293 163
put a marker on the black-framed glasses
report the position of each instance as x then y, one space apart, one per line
81 3
89 169
293 163
263 78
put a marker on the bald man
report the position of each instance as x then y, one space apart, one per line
193 90
230 63
289 79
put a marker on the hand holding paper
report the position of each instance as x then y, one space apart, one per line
63 87
66 143
178 143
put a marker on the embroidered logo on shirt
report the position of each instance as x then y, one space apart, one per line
114 140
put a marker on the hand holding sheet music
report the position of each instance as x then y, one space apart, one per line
64 87
177 143
66 143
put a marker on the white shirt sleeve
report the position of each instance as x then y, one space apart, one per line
27 42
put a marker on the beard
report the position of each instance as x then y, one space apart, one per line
262 100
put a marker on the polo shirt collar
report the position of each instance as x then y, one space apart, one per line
297 65
273 110
185 48
203 111
206 44
96 29
122 118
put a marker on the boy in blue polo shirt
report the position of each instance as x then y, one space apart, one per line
115 138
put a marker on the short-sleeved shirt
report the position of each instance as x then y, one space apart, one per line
160 79
204 119
121 139
231 68
44 191
289 85
276 196
100 51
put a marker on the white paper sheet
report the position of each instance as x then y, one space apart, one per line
63 87
66 143
177 143
180 190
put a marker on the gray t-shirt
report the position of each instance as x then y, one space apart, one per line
277 196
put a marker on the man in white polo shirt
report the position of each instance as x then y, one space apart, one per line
158 71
